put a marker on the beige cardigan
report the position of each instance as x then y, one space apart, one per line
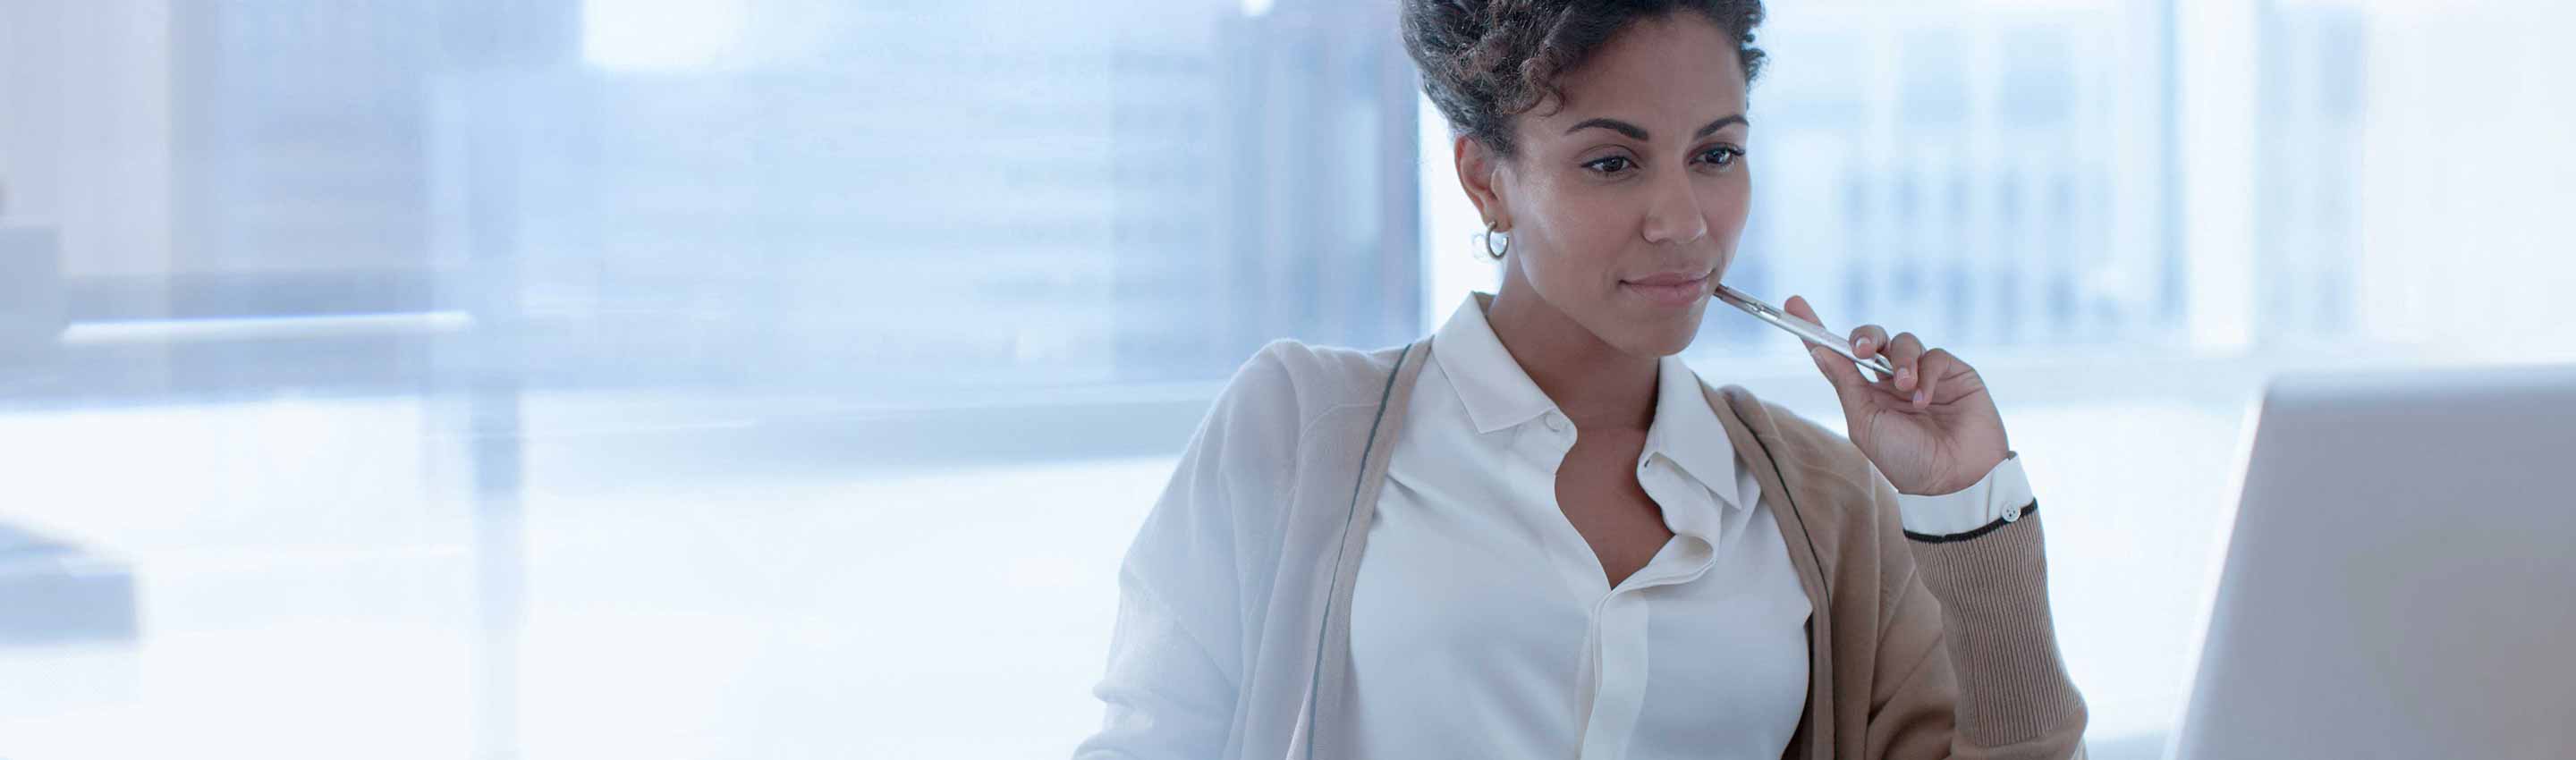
1233 635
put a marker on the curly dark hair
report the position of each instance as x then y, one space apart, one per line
1484 62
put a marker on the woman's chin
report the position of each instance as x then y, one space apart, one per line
1660 337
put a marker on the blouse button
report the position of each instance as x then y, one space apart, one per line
1555 422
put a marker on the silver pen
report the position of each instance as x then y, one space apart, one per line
1804 329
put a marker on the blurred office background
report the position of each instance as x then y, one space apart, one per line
784 378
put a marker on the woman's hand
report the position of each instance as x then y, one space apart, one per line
1932 429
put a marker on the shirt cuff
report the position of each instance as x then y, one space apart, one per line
2000 496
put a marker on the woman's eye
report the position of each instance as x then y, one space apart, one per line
1608 165
1721 156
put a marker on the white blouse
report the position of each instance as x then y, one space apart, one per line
1483 625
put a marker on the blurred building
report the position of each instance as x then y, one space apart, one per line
942 197
1979 178
2311 173
930 197
913 201
2014 177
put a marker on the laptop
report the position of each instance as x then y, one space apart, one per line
2401 579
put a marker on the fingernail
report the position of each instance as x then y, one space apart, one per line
1859 344
1918 397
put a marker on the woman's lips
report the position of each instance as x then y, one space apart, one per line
1670 289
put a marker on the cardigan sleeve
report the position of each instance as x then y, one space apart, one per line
1969 654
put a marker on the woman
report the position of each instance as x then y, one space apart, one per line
1537 533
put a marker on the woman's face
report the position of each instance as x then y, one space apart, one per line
1626 199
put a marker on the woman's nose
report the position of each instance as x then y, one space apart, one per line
1673 216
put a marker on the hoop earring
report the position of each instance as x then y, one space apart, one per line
1488 237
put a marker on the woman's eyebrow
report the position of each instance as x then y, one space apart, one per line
1638 134
1720 123
1633 131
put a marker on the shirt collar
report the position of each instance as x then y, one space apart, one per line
1499 394
1688 432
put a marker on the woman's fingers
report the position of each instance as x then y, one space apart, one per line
1935 364
1918 370
1797 306
1845 377
1902 351
1867 340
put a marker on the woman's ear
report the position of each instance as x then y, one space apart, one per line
1479 171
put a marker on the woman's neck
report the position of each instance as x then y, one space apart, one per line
1594 383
